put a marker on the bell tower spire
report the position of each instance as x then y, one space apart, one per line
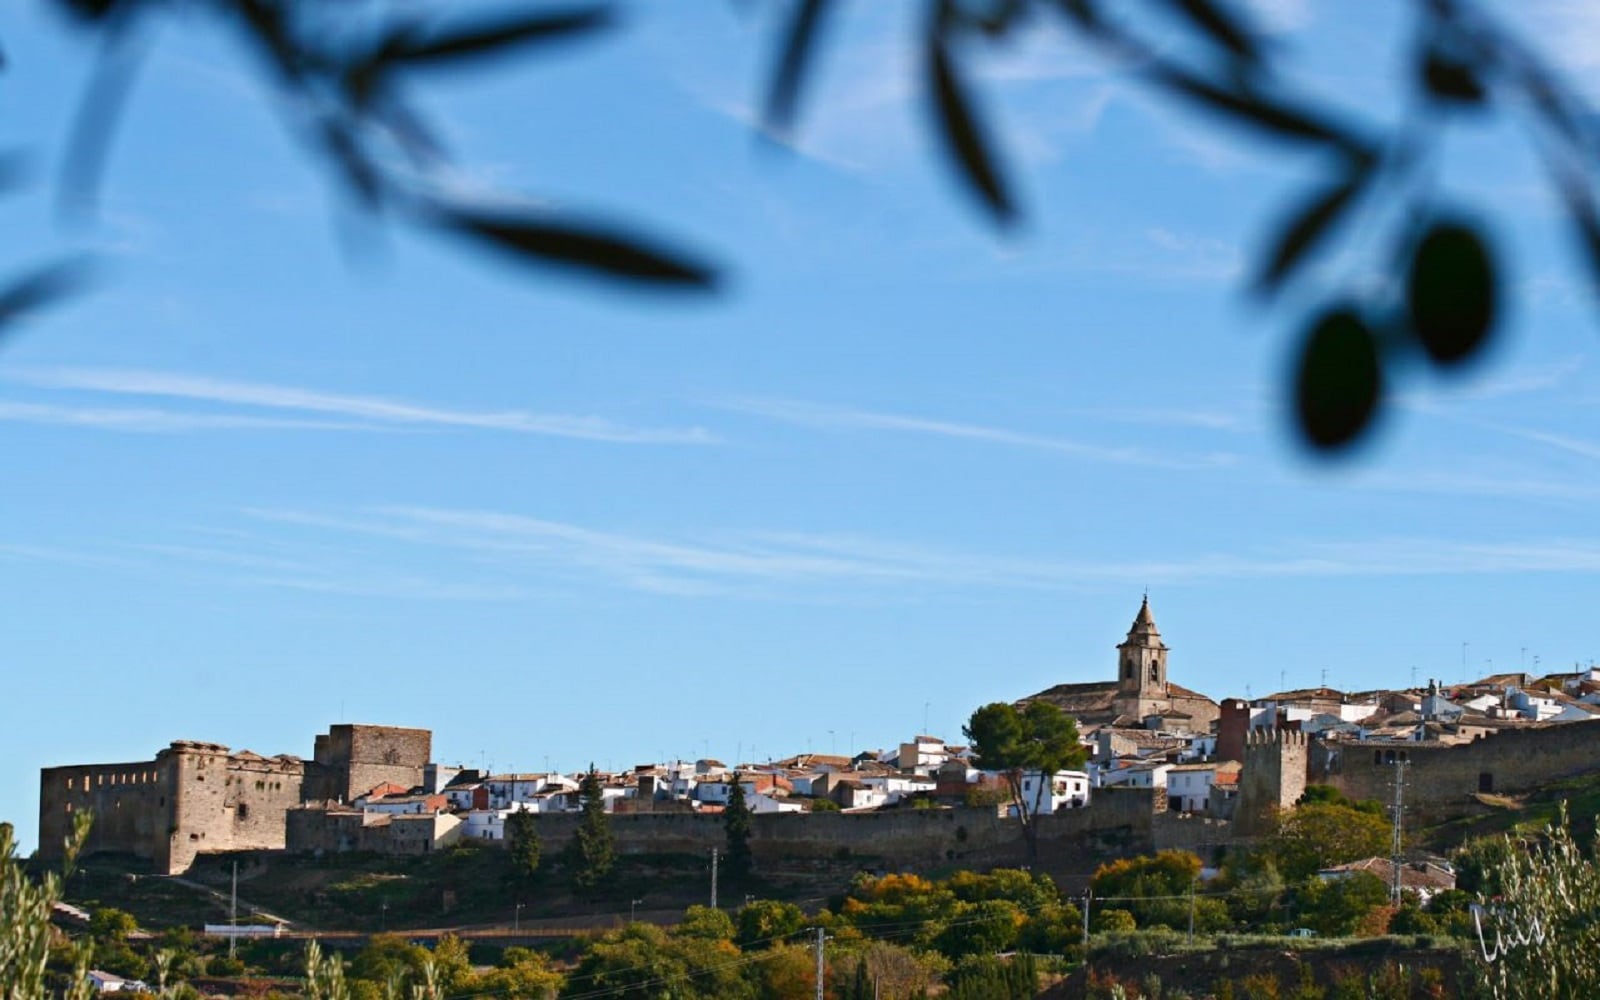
1142 658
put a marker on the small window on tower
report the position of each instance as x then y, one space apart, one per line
1153 675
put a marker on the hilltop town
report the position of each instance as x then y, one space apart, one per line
1167 766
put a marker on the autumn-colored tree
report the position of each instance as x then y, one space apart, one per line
1312 837
765 922
1336 907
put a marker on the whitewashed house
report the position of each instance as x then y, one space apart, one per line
406 805
761 802
923 755
509 789
485 824
1062 790
715 791
898 786
1189 787
1137 774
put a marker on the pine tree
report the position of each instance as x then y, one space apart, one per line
736 823
596 853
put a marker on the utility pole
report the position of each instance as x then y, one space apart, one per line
1396 857
233 912
713 878
1088 900
1191 909
820 968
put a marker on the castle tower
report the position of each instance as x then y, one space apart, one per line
1273 778
1142 659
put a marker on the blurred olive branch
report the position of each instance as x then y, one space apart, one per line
346 68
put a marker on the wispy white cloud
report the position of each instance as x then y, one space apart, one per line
409 588
1509 484
1214 420
1378 557
725 565
74 557
366 412
152 421
757 564
1563 442
1186 255
835 418
1527 380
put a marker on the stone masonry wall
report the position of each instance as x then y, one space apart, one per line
193 797
227 803
131 803
353 759
1441 777
1116 821
1273 776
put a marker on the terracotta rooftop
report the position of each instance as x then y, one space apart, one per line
1412 875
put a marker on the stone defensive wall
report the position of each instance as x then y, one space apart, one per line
1441 776
1201 835
192 797
1115 822
129 803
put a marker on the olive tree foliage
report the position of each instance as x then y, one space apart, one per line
25 929
1037 739
348 71
325 978
1540 937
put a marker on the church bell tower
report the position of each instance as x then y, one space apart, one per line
1142 659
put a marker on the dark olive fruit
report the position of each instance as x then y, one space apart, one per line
1451 292
89 10
1340 380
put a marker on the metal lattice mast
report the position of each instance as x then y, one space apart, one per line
1396 855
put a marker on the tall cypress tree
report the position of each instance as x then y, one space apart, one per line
522 841
736 823
596 853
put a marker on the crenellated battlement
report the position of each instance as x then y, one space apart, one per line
1273 775
1275 738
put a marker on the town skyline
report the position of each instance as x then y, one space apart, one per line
1134 726
897 468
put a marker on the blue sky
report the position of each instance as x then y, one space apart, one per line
280 468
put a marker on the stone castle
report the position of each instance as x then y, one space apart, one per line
198 798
